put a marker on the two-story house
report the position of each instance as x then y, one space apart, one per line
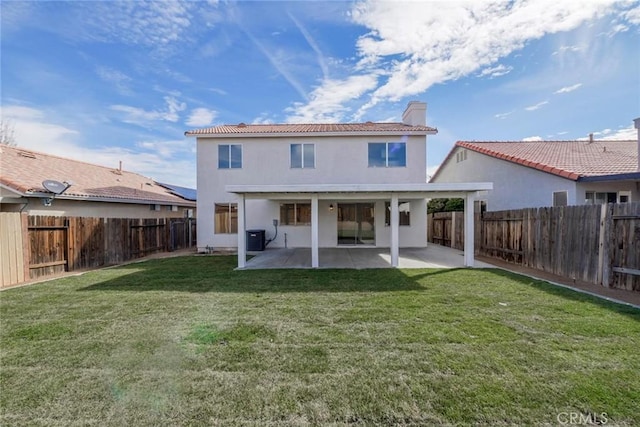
324 185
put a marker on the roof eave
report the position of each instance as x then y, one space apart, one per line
182 202
307 134
631 176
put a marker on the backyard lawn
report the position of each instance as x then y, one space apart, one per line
190 341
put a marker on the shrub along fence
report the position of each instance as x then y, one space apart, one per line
40 246
594 243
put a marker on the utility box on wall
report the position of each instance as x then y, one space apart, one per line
256 240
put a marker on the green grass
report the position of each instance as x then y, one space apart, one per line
190 341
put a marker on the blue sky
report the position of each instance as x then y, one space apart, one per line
108 81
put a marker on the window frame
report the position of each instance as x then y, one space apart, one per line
553 198
386 154
591 197
401 215
229 157
302 156
230 224
296 214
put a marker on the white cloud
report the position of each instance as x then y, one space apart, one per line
633 15
278 59
568 89
156 25
451 40
536 106
120 80
532 138
327 102
503 115
411 46
170 161
263 119
201 117
142 117
32 131
628 133
307 36
497 71
564 49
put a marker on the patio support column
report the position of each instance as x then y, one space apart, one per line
242 240
314 231
469 233
395 221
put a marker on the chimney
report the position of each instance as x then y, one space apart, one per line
415 114
590 138
636 123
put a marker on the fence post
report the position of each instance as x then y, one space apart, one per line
453 230
26 244
604 269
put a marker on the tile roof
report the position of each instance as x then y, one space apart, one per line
272 129
568 159
24 170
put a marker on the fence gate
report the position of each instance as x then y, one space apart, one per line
441 231
625 247
48 244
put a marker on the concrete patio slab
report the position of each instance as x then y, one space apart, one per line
432 256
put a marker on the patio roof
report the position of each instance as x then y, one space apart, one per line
392 192
371 190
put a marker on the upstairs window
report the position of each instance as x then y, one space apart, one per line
387 154
303 156
229 156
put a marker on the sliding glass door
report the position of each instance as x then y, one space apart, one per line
356 224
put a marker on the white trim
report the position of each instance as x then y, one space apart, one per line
456 187
312 134
395 220
242 240
241 156
386 154
314 232
469 232
302 166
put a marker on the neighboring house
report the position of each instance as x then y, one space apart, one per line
325 185
546 173
94 191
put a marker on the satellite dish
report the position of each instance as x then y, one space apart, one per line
56 187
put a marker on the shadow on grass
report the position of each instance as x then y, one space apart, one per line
200 274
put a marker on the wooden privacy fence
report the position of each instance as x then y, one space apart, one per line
594 243
38 246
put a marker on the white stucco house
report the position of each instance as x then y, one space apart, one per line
324 185
546 173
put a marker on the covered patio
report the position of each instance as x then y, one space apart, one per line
388 192
433 256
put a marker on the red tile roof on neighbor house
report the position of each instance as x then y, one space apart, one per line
569 159
319 128
23 171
